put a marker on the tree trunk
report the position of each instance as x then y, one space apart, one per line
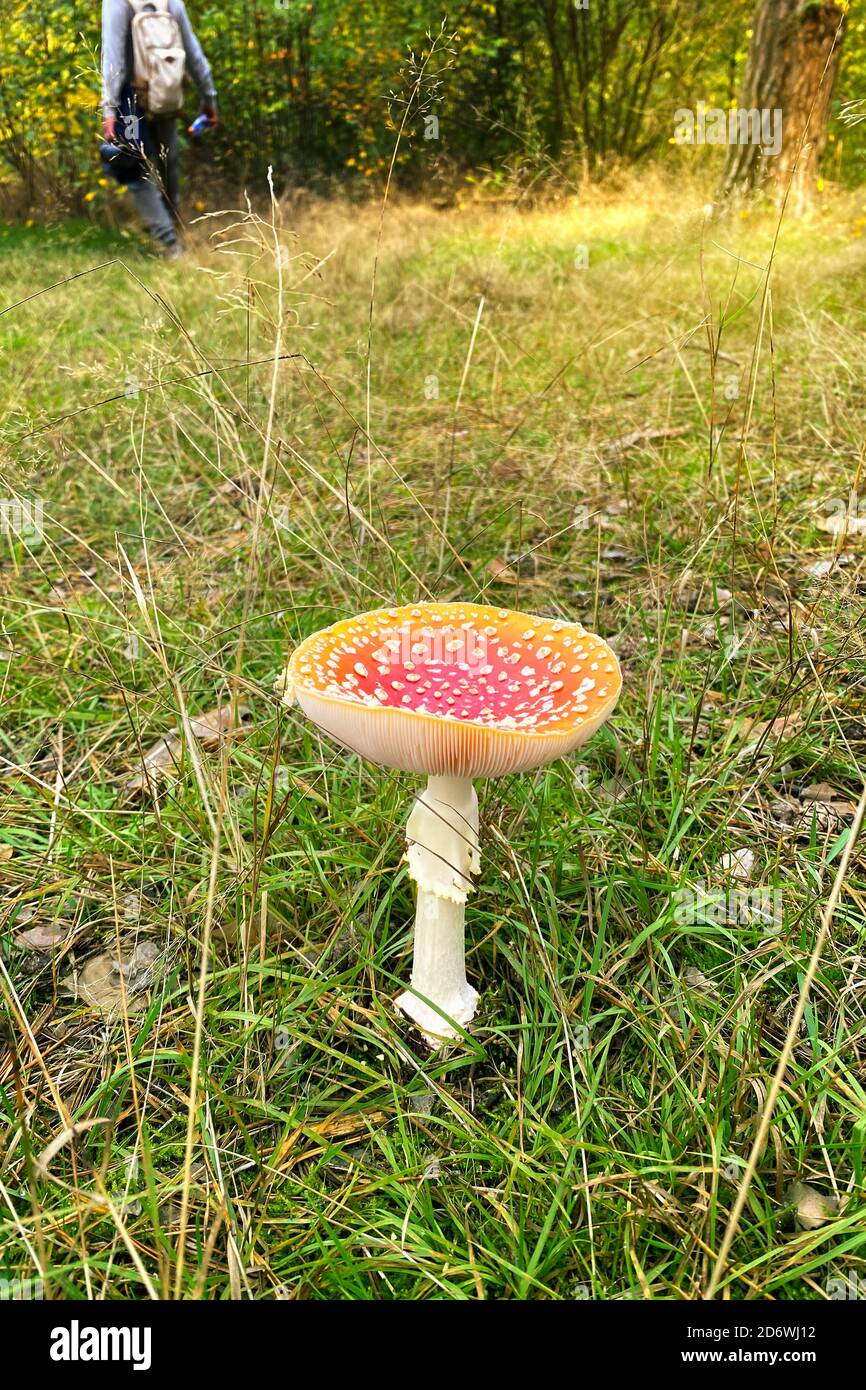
792 66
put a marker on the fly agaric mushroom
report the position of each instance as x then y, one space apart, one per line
457 692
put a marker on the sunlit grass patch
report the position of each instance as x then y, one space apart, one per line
606 454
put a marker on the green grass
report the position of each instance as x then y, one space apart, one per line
589 1136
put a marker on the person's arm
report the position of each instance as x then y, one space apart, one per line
198 64
115 29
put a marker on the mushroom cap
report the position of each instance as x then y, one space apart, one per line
455 689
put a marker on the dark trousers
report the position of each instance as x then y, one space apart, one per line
156 195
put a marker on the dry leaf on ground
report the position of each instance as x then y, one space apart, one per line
695 979
811 1208
501 573
822 793
43 936
209 728
800 814
784 726
738 864
164 758
105 981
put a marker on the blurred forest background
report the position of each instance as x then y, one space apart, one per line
533 90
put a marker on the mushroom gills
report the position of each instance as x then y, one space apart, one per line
443 857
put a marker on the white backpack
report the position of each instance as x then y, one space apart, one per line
159 57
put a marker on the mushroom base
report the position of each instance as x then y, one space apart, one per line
443 857
439 971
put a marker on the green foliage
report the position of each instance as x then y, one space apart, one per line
318 90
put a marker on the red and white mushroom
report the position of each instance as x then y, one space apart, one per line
457 692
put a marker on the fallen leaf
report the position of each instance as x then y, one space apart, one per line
785 725
163 759
811 1208
738 864
696 979
107 983
42 937
819 791
209 728
823 793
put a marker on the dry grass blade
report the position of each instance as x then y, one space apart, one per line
66 1136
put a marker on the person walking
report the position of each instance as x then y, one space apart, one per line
148 46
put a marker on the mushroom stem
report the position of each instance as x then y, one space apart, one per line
443 856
